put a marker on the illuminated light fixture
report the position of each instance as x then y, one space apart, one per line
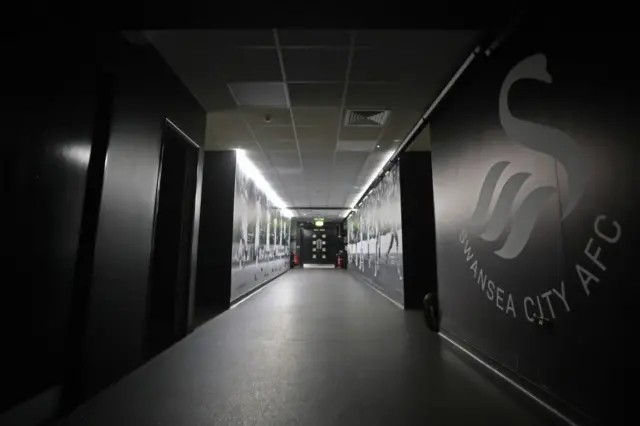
374 176
254 174
318 222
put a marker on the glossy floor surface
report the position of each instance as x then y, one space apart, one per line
314 347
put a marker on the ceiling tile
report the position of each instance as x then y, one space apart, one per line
270 94
354 133
277 144
240 38
320 95
390 65
314 38
256 116
226 130
318 132
213 62
355 159
274 132
217 96
250 64
315 146
363 146
288 172
449 39
390 96
310 65
318 116
317 167
198 39
284 158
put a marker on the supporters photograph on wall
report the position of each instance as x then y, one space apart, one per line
375 237
260 237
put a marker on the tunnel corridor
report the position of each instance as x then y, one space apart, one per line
315 347
304 226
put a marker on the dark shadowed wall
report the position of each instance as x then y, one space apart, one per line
146 92
213 289
49 102
418 224
534 167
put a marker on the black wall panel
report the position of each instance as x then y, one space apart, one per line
533 170
213 286
167 304
418 226
146 92
48 99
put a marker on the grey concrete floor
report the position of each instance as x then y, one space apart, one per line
314 347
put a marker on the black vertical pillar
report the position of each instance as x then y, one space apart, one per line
418 227
213 283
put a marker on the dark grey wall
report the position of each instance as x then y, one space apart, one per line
46 147
213 287
145 93
418 228
546 127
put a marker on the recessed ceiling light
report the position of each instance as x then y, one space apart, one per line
377 146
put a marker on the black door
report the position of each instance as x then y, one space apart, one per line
319 244
173 229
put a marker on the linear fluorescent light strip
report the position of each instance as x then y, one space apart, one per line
254 174
444 91
373 177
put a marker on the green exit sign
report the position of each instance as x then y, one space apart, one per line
318 221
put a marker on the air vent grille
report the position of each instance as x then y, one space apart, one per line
368 118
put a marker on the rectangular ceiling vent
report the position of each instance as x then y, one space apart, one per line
366 118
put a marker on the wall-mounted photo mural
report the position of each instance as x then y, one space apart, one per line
534 170
260 248
375 237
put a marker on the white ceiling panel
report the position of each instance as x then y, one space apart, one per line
277 144
362 146
314 38
317 116
235 64
266 117
274 132
281 95
316 94
391 96
366 133
330 65
287 159
259 94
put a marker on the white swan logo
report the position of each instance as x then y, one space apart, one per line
536 137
